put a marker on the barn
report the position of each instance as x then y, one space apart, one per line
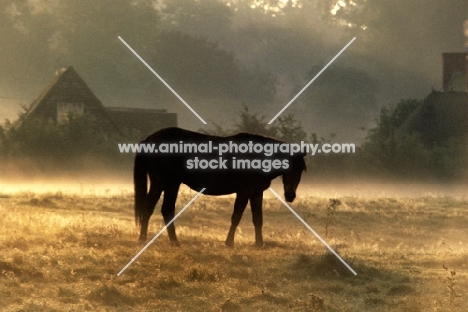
67 94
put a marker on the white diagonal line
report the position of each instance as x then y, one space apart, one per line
162 80
160 232
310 82
313 232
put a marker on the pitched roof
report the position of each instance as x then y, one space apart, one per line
68 86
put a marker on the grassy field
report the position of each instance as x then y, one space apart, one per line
62 252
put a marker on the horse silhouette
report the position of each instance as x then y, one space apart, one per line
219 174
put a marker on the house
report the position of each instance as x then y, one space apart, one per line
443 114
67 94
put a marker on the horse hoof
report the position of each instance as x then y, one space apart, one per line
259 245
229 244
175 244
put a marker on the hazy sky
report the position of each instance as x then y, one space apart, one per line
397 54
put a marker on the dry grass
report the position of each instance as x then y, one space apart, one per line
62 253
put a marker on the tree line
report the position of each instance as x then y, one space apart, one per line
77 144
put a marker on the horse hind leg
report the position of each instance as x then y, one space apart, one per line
151 200
168 211
239 207
256 202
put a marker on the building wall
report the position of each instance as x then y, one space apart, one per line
455 72
146 121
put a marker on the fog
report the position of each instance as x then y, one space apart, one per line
118 186
263 55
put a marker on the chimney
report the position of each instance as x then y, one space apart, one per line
455 72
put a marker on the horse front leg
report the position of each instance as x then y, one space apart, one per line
168 211
239 207
256 202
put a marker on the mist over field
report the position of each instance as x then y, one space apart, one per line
220 55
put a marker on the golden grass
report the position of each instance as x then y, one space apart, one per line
61 252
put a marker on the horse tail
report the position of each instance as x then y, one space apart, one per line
140 182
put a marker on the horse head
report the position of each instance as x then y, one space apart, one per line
292 176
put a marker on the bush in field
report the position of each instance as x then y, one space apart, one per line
380 149
405 157
286 128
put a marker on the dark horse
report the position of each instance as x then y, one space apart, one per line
167 170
